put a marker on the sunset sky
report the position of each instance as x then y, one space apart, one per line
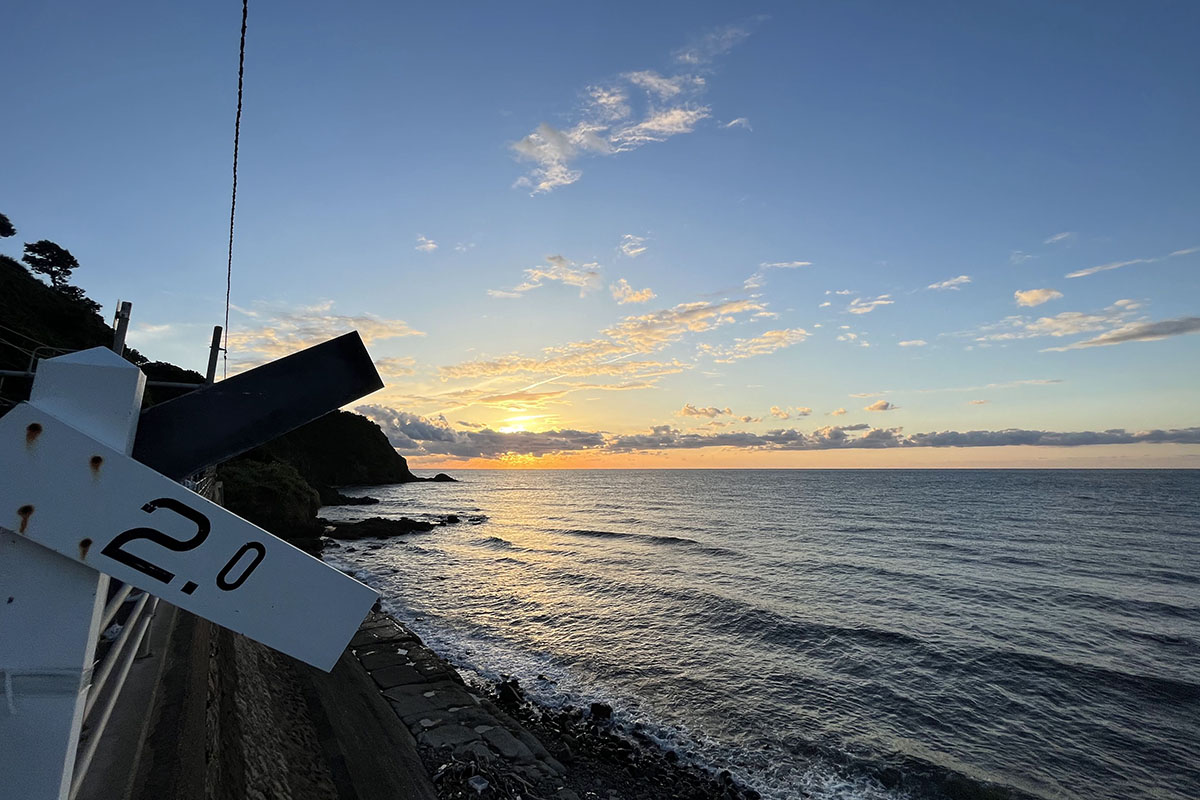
651 235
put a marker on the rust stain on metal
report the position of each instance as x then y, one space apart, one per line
96 462
24 512
32 431
84 546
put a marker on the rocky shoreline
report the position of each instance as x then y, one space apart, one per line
492 743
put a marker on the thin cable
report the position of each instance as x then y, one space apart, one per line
237 135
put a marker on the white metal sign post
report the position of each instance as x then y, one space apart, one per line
78 508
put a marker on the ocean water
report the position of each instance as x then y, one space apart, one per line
839 634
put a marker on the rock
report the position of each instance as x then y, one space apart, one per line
379 528
507 745
601 711
442 477
447 736
510 693
451 519
566 794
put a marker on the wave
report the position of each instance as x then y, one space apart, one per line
656 538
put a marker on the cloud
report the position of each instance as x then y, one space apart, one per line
463 247
611 352
1081 273
425 245
951 283
880 405
740 122
521 400
849 437
711 45
838 412
756 280
826 304
1139 332
1035 297
711 412
559 269
914 343
281 332
660 87
633 246
1019 257
1065 236
1066 323
417 435
623 293
395 366
977 402
635 109
860 306
786 413
760 345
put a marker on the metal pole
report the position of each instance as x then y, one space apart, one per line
214 350
121 325
51 606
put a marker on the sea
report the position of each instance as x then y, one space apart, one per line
856 635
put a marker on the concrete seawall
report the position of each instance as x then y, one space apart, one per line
234 719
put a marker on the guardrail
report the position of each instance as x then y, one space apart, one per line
116 653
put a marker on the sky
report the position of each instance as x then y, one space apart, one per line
714 235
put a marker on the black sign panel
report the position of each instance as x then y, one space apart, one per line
222 420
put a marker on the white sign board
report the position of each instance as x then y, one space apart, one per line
66 491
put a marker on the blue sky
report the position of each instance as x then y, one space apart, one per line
562 228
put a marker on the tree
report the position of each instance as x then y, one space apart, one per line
49 259
76 294
6 228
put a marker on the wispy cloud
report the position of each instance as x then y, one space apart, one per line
880 405
280 331
951 283
838 412
561 270
396 367
612 352
1066 323
1082 273
1019 257
710 412
631 111
860 306
786 413
425 244
1059 238
760 345
914 343
977 402
632 246
740 122
623 293
756 280
1139 332
1035 297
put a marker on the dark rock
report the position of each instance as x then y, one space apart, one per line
442 477
332 497
601 711
671 756
509 693
451 519
379 528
